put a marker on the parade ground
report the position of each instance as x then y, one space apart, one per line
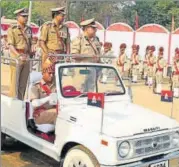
20 155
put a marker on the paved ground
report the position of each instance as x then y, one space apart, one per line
20 155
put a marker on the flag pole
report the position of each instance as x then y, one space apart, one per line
172 109
102 115
172 29
102 120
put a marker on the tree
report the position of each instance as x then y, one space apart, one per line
8 7
158 11
40 9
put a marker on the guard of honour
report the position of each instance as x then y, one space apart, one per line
55 39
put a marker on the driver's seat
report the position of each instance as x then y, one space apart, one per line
33 78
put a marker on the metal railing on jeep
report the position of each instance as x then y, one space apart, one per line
35 65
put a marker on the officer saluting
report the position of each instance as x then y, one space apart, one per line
19 40
54 37
87 43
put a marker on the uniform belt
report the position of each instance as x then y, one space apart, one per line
57 51
151 65
20 50
160 69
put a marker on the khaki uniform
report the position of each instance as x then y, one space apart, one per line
45 114
175 78
56 38
106 72
5 49
150 63
135 67
121 61
21 40
160 64
145 67
81 45
108 60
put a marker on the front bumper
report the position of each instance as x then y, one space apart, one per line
173 159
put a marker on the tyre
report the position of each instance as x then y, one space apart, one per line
80 156
3 140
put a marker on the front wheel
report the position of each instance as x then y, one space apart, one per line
80 156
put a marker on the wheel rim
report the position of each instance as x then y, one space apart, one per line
78 158
77 163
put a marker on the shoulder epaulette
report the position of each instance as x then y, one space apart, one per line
47 23
13 26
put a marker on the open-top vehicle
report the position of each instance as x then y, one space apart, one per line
97 124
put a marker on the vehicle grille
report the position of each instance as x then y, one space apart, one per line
152 145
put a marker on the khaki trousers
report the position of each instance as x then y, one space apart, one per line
159 77
47 117
18 79
150 71
44 57
121 70
135 70
175 80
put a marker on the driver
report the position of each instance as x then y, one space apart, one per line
43 96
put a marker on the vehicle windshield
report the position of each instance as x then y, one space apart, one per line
77 80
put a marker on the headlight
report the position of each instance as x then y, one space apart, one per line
124 149
175 139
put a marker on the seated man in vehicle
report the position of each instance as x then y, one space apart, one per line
43 96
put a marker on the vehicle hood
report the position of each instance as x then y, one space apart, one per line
121 119
129 119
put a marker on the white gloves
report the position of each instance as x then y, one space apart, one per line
52 99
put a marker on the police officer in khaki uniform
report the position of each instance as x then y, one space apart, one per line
176 54
145 68
54 37
41 95
160 64
122 59
175 77
107 53
87 43
5 47
19 40
150 63
135 63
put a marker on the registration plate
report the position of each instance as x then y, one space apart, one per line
160 164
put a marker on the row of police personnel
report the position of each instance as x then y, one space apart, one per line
151 68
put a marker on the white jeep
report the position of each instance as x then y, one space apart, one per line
120 134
